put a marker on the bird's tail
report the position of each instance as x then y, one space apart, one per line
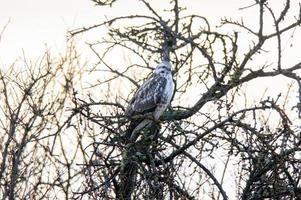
135 127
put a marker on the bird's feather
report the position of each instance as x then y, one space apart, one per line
148 96
152 97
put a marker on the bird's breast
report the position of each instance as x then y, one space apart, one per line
169 88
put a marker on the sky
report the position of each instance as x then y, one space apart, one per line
37 25
34 25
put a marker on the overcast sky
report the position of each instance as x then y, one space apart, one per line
35 23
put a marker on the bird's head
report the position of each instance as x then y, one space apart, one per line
163 67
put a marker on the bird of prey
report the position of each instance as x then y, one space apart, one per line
153 96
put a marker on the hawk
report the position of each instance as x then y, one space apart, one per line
153 96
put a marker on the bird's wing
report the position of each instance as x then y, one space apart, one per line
148 95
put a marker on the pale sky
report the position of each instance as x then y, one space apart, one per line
35 23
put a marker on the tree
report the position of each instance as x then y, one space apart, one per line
33 101
168 162
221 144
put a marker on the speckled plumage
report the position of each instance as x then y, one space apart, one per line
155 94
